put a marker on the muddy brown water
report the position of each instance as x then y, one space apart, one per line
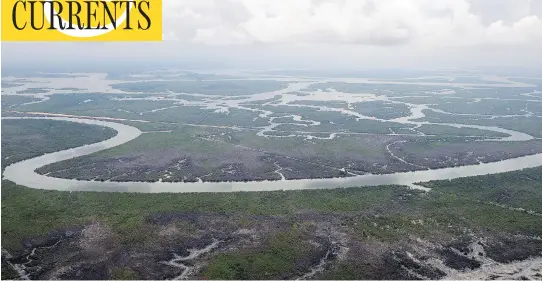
23 173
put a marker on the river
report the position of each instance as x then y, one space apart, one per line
23 173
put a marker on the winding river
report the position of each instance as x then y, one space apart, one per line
23 172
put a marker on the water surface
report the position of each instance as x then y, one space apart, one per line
23 172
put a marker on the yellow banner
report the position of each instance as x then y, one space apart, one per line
82 20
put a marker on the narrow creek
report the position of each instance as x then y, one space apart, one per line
181 262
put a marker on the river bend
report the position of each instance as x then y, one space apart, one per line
24 172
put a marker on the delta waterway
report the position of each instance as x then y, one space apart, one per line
24 172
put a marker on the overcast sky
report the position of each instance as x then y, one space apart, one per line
320 33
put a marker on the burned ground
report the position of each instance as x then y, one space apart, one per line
486 227
306 243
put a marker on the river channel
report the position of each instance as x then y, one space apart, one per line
24 172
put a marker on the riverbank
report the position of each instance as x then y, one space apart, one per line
23 172
102 235
333 228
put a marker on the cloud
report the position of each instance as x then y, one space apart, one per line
317 34
424 23
523 31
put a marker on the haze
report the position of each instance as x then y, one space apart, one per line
320 34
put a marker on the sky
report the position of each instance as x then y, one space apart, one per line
321 34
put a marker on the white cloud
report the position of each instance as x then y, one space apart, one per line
318 34
528 29
424 23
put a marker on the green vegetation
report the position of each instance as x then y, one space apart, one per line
29 213
34 91
387 89
100 105
94 105
9 101
23 139
131 75
520 189
10 85
437 152
448 131
287 224
384 214
202 116
489 107
333 121
225 88
124 273
383 110
529 125
277 259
